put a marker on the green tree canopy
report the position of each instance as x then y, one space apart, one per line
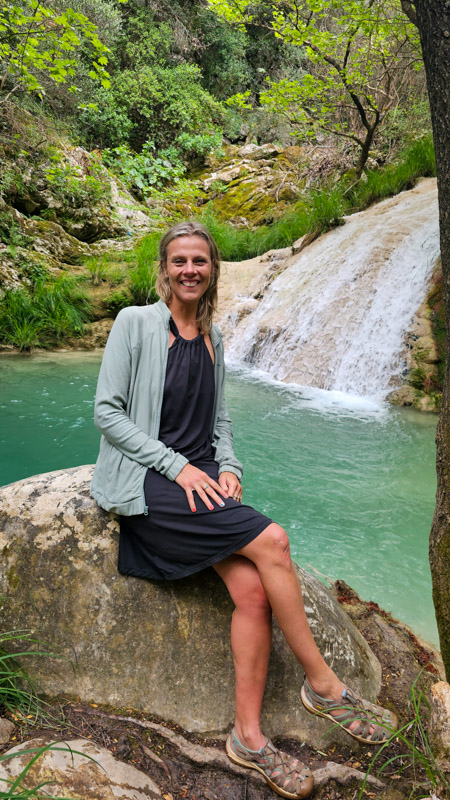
39 41
360 59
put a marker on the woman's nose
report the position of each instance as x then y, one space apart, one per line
189 266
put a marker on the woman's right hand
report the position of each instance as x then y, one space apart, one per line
192 479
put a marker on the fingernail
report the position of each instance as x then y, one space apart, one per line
211 508
222 504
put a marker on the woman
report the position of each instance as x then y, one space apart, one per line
167 466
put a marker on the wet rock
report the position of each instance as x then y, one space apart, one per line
158 647
78 769
405 396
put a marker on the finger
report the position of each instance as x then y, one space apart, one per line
224 483
204 497
212 495
211 485
190 499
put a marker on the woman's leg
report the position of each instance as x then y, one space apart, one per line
270 553
251 635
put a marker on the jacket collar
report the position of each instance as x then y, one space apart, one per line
165 314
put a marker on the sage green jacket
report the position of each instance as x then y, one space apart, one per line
128 410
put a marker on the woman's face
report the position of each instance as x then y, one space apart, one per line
189 269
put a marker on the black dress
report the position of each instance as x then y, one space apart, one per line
171 541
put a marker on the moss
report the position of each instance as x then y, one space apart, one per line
12 578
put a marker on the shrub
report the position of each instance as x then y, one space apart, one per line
116 301
45 314
144 171
143 274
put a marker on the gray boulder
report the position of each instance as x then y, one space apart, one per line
162 648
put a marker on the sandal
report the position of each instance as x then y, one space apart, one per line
286 775
353 709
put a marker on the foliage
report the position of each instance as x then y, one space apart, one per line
417 754
45 314
17 690
116 301
360 63
145 170
151 170
75 189
143 274
322 209
38 40
146 103
10 232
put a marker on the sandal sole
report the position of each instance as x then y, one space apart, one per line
312 710
251 765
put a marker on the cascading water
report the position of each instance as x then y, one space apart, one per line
337 316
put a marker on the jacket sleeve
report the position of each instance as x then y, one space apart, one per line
222 441
111 401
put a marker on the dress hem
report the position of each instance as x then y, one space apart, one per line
197 567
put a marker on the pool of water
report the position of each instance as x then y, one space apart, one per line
352 483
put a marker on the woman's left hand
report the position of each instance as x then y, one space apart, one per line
231 484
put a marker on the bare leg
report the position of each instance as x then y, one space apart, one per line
271 555
251 635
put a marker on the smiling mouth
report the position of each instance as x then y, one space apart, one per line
189 284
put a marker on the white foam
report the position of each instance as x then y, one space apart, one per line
336 318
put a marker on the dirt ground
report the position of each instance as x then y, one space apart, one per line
187 767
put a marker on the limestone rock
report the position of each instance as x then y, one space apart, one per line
256 152
158 647
78 769
6 730
404 396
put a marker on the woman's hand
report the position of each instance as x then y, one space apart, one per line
230 482
192 479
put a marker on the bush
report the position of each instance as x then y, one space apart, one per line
146 103
44 315
116 301
144 171
143 275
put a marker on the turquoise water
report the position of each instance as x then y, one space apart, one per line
353 484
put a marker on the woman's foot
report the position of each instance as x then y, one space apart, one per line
364 721
286 775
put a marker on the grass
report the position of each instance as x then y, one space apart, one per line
101 269
45 314
18 697
18 693
320 210
143 274
417 756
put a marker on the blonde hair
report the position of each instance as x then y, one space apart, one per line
208 302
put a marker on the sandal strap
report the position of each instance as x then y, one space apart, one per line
374 722
287 772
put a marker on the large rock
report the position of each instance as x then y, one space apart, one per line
79 769
162 648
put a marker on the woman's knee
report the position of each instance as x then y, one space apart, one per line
244 585
274 545
250 597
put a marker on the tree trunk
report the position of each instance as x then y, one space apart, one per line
433 21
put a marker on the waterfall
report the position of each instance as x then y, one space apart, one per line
335 318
